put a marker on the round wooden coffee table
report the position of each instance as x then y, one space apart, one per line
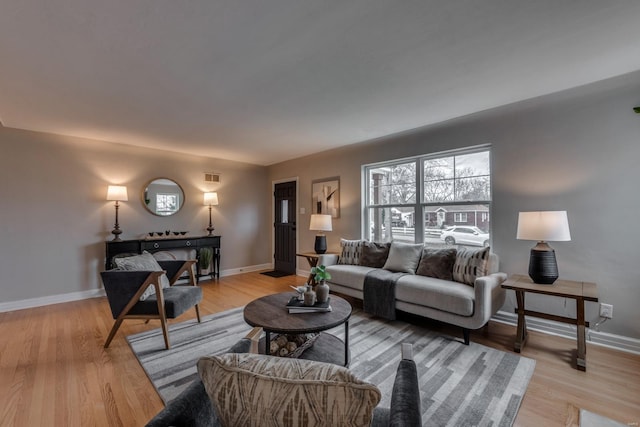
271 314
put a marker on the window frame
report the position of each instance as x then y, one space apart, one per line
419 206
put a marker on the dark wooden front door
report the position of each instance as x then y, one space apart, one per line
284 258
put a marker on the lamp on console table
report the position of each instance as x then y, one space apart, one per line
320 223
210 199
117 193
543 226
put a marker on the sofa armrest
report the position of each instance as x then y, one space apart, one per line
328 259
405 397
485 287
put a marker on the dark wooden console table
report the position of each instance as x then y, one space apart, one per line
167 244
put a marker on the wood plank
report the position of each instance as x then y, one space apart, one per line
55 372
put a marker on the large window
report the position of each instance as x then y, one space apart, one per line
441 199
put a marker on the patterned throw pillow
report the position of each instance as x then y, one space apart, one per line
351 252
144 262
471 264
374 254
259 390
437 263
403 257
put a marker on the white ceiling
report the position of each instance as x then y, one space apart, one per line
264 81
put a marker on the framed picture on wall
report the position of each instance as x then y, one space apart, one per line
325 196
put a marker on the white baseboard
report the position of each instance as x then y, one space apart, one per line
52 299
94 293
565 330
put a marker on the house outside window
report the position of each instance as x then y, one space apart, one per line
417 199
167 204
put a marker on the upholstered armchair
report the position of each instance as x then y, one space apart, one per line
125 288
193 407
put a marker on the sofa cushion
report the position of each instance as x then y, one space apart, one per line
350 276
250 389
470 264
143 262
444 295
374 254
351 252
437 263
403 257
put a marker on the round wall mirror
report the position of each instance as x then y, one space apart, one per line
162 197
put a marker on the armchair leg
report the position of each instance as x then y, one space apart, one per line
114 329
165 333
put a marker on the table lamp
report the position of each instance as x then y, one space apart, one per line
210 199
320 223
543 226
117 193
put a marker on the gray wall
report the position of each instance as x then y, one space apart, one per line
577 151
55 219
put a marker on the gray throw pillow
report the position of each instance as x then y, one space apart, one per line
374 254
403 257
144 262
437 263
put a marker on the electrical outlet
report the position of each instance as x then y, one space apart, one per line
606 311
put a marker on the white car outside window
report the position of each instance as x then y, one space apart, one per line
465 235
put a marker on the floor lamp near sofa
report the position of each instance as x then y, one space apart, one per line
552 226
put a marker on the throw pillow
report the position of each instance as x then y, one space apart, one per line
437 263
252 390
374 254
470 264
351 252
143 262
403 257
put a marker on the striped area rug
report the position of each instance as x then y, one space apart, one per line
460 385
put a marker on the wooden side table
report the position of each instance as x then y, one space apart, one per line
579 291
312 259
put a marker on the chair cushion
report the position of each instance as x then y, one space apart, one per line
471 264
351 252
437 263
252 390
177 300
143 262
374 254
403 257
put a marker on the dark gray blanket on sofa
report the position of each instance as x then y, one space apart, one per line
379 293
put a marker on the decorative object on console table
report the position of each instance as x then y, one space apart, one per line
320 223
117 193
210 199
543 226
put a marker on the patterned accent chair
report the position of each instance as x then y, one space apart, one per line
124 289
194 409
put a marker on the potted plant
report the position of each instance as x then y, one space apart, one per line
206 255
320 275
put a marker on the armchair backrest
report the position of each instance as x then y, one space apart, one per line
121 286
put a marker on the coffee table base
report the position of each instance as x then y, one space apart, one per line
327 348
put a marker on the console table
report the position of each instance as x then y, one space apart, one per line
167 244
579 291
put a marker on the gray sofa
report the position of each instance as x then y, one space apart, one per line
192 408
469 307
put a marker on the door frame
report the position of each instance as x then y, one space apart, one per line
273 218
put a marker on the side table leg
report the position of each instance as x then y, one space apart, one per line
521 335
581 360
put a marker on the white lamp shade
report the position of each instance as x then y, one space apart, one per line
211 199
549 226
117 193
320 222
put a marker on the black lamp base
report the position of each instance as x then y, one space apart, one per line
543 268
321 244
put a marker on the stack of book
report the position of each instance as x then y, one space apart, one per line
296 306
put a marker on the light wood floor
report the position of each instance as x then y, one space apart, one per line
54 371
